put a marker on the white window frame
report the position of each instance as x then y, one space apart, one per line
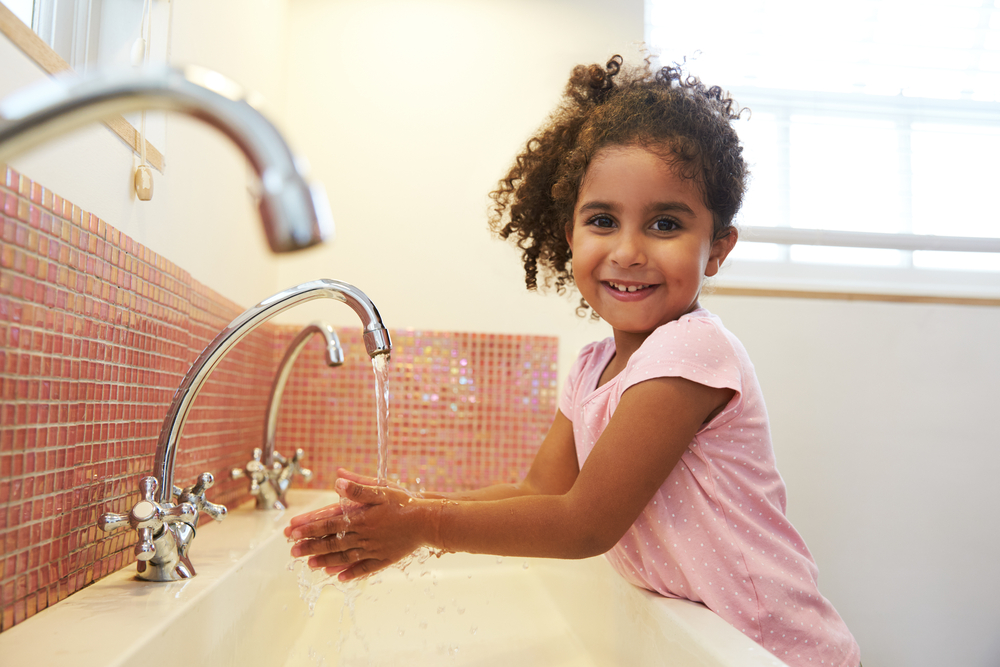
71 27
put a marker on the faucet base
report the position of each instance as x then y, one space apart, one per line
271 503
182 570
174 566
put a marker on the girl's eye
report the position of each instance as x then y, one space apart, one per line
601 221
665 225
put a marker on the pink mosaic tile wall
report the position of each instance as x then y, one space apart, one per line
96 333
465 409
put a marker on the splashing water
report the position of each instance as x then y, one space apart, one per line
312 582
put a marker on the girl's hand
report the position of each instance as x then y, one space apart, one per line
344 473
317 519
388 525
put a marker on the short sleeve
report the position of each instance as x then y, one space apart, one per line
693 348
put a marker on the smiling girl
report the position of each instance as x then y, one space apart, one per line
660 453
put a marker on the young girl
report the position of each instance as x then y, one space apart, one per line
660 453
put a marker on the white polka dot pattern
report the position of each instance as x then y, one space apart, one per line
715 532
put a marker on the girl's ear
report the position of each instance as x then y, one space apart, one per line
720 250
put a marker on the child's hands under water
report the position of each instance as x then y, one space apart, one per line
383 525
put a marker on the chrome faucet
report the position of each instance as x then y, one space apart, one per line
269 472
166 527
295 214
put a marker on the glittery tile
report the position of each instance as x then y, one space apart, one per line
465 409
89 363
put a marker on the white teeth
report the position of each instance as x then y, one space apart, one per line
630 288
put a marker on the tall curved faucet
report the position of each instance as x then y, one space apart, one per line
375 336
269 472
295 214
166 528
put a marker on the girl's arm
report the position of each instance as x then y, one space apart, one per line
650 430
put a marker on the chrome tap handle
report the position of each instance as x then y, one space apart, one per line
148 517
112 521
289 468
255 471
195 495
147 488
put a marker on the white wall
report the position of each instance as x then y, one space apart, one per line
412 111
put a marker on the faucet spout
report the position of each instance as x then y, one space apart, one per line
375 335
295 214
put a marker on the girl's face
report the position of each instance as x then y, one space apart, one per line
642 240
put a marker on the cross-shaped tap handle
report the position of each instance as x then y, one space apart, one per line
147 517
195 495
285 468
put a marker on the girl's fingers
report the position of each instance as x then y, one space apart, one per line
363 569
328 544
339 561
317 529
314 547
344 473
363 495
325 513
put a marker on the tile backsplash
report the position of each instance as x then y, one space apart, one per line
97 332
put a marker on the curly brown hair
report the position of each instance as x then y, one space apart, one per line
616 105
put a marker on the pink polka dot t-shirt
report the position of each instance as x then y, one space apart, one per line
715 532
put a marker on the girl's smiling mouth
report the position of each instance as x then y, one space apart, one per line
622 290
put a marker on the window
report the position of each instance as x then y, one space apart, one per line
871 137
22 9
90 34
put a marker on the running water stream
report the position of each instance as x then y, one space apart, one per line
380 364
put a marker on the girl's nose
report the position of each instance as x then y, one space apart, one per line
628 251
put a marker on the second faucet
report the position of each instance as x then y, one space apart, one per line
269 472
